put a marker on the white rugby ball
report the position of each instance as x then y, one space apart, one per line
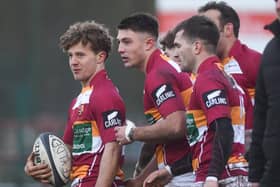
51 150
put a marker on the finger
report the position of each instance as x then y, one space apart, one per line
42 177
38 171
31 157
45 181
116 129
151 178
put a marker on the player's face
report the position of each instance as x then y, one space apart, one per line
214 15
183 48
83 62
277 4
172 53
131 48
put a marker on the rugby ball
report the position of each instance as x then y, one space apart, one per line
51 150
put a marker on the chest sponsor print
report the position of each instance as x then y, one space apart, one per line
192 131
214 98
111 118
163 93
82 136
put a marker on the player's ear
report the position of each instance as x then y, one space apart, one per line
101 57
149 43
197 47
228 30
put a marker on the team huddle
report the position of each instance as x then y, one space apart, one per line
198 100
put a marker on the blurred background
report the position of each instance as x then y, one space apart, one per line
36 85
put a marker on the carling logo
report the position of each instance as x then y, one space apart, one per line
112 118
162 94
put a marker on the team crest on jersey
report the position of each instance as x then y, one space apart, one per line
80 110
112 118
232 67
163 93
214 98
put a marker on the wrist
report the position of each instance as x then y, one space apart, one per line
211 178
129 131
167 167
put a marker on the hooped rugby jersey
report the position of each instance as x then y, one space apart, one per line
214 97
243 64
166 90
91 121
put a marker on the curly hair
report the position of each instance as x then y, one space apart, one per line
87 32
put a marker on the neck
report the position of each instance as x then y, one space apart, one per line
227 48
146 59
200 59
99 68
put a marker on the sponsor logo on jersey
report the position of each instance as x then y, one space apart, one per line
82 138
112 118
214 97
232 67
192 131
163 93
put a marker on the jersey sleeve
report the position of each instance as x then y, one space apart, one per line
68 132
164 91
109 112
213 99
253 69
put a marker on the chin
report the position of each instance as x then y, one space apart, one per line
76 78
127 65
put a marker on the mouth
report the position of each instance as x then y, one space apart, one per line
76 71
124 59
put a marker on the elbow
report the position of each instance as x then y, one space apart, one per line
179 131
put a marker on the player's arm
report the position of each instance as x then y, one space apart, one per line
109 164
222 146
164 175
40 172
170 128
139 180
166 130
146 154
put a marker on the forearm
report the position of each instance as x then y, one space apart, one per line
165 130
152 166
146 154
222 145
109 164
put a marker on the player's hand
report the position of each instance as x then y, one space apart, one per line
211 184
120 135
158 178
40 172
133 183
254 184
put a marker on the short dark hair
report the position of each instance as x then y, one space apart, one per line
228 14
200 27
167 42
140 22
87 32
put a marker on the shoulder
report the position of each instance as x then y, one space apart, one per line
105 89
210 78
250 54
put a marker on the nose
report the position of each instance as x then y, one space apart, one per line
73 61
277 4
120 48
